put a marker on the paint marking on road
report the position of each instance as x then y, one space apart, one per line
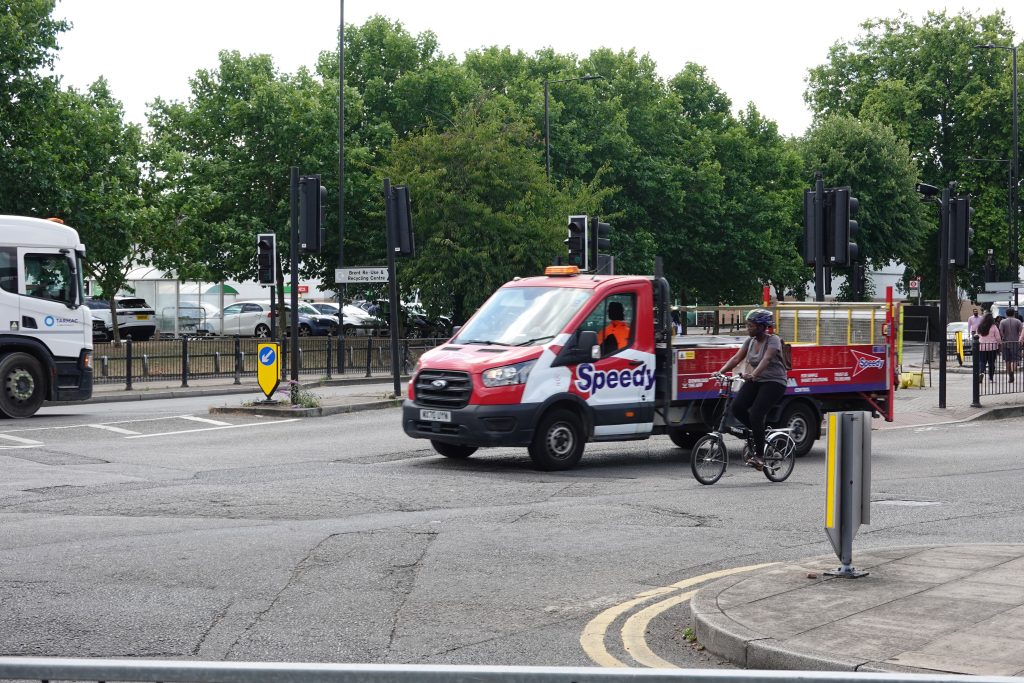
634 631
592 640
21 443
205 420
109 428
213 429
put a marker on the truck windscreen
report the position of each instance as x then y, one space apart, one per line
523 316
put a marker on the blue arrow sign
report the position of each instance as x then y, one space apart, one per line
267 357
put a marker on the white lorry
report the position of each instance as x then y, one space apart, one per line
45 331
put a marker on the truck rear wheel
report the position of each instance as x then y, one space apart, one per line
22 388
558 441
800 419
683 438
452 450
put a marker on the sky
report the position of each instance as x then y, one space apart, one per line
755 50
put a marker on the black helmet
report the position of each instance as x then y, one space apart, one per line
761 316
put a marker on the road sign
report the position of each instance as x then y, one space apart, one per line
998 286
993 297
268 367
372 275
915 285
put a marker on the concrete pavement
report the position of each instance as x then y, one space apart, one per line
950 609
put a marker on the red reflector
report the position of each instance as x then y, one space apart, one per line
630 413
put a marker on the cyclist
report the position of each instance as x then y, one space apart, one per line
766 378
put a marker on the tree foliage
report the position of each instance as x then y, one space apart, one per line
945 98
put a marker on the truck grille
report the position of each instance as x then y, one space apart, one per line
454 394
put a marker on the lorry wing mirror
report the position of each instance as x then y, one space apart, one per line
455 331
588 340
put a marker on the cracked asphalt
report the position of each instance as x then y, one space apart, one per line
341 540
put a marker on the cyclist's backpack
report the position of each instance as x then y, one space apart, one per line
787 354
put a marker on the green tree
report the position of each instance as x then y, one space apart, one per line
946 98
28 43
483 210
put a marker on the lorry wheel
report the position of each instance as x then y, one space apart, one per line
799 417
452 450
683 438
22 388
558 441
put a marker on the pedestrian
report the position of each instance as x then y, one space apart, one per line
973 322
1010 330
989 342
677 325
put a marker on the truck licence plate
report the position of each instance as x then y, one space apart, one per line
436 415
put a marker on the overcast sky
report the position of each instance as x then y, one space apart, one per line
755 50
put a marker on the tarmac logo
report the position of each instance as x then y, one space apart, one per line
590 380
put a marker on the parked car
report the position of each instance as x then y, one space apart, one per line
415 319
135 318
355 318
252 319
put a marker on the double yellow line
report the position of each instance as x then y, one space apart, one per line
634 629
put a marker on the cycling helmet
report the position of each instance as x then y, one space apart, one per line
761 316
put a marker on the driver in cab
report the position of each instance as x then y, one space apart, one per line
615 335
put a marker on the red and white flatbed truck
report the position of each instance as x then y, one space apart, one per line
532 368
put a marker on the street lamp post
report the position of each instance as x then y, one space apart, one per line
547 124
1015 168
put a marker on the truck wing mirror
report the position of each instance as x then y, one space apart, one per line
588 340
581 348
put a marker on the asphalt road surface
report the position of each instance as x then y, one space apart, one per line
153 529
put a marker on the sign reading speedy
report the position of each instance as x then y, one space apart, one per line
590 380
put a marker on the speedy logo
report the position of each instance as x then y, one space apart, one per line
866 362
590 380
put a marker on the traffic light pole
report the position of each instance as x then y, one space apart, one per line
293 257
389 218
819 246
943 285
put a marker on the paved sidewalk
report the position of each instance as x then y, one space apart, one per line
947 609
342 394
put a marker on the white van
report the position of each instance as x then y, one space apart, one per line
45 331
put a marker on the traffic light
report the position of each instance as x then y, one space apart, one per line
812 229
577 242
312 201
990 267
843 250
399 220
598 245
960 231
859 281
266 258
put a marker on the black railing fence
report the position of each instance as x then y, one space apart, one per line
193 358
996 369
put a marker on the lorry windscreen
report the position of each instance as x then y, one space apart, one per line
523 316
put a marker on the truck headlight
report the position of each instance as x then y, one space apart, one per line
508 374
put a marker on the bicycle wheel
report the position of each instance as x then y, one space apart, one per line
708 459
779 456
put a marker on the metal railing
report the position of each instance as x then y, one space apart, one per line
995 369
188 358
170 671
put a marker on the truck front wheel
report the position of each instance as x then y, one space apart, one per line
22 388
452 450
799 418
558 441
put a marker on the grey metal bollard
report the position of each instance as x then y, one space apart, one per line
847 484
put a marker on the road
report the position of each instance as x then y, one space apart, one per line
154 529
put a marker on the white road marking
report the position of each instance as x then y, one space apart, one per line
213 429
205 420
20 441
109 428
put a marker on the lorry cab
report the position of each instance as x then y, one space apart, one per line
547 362
45 331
